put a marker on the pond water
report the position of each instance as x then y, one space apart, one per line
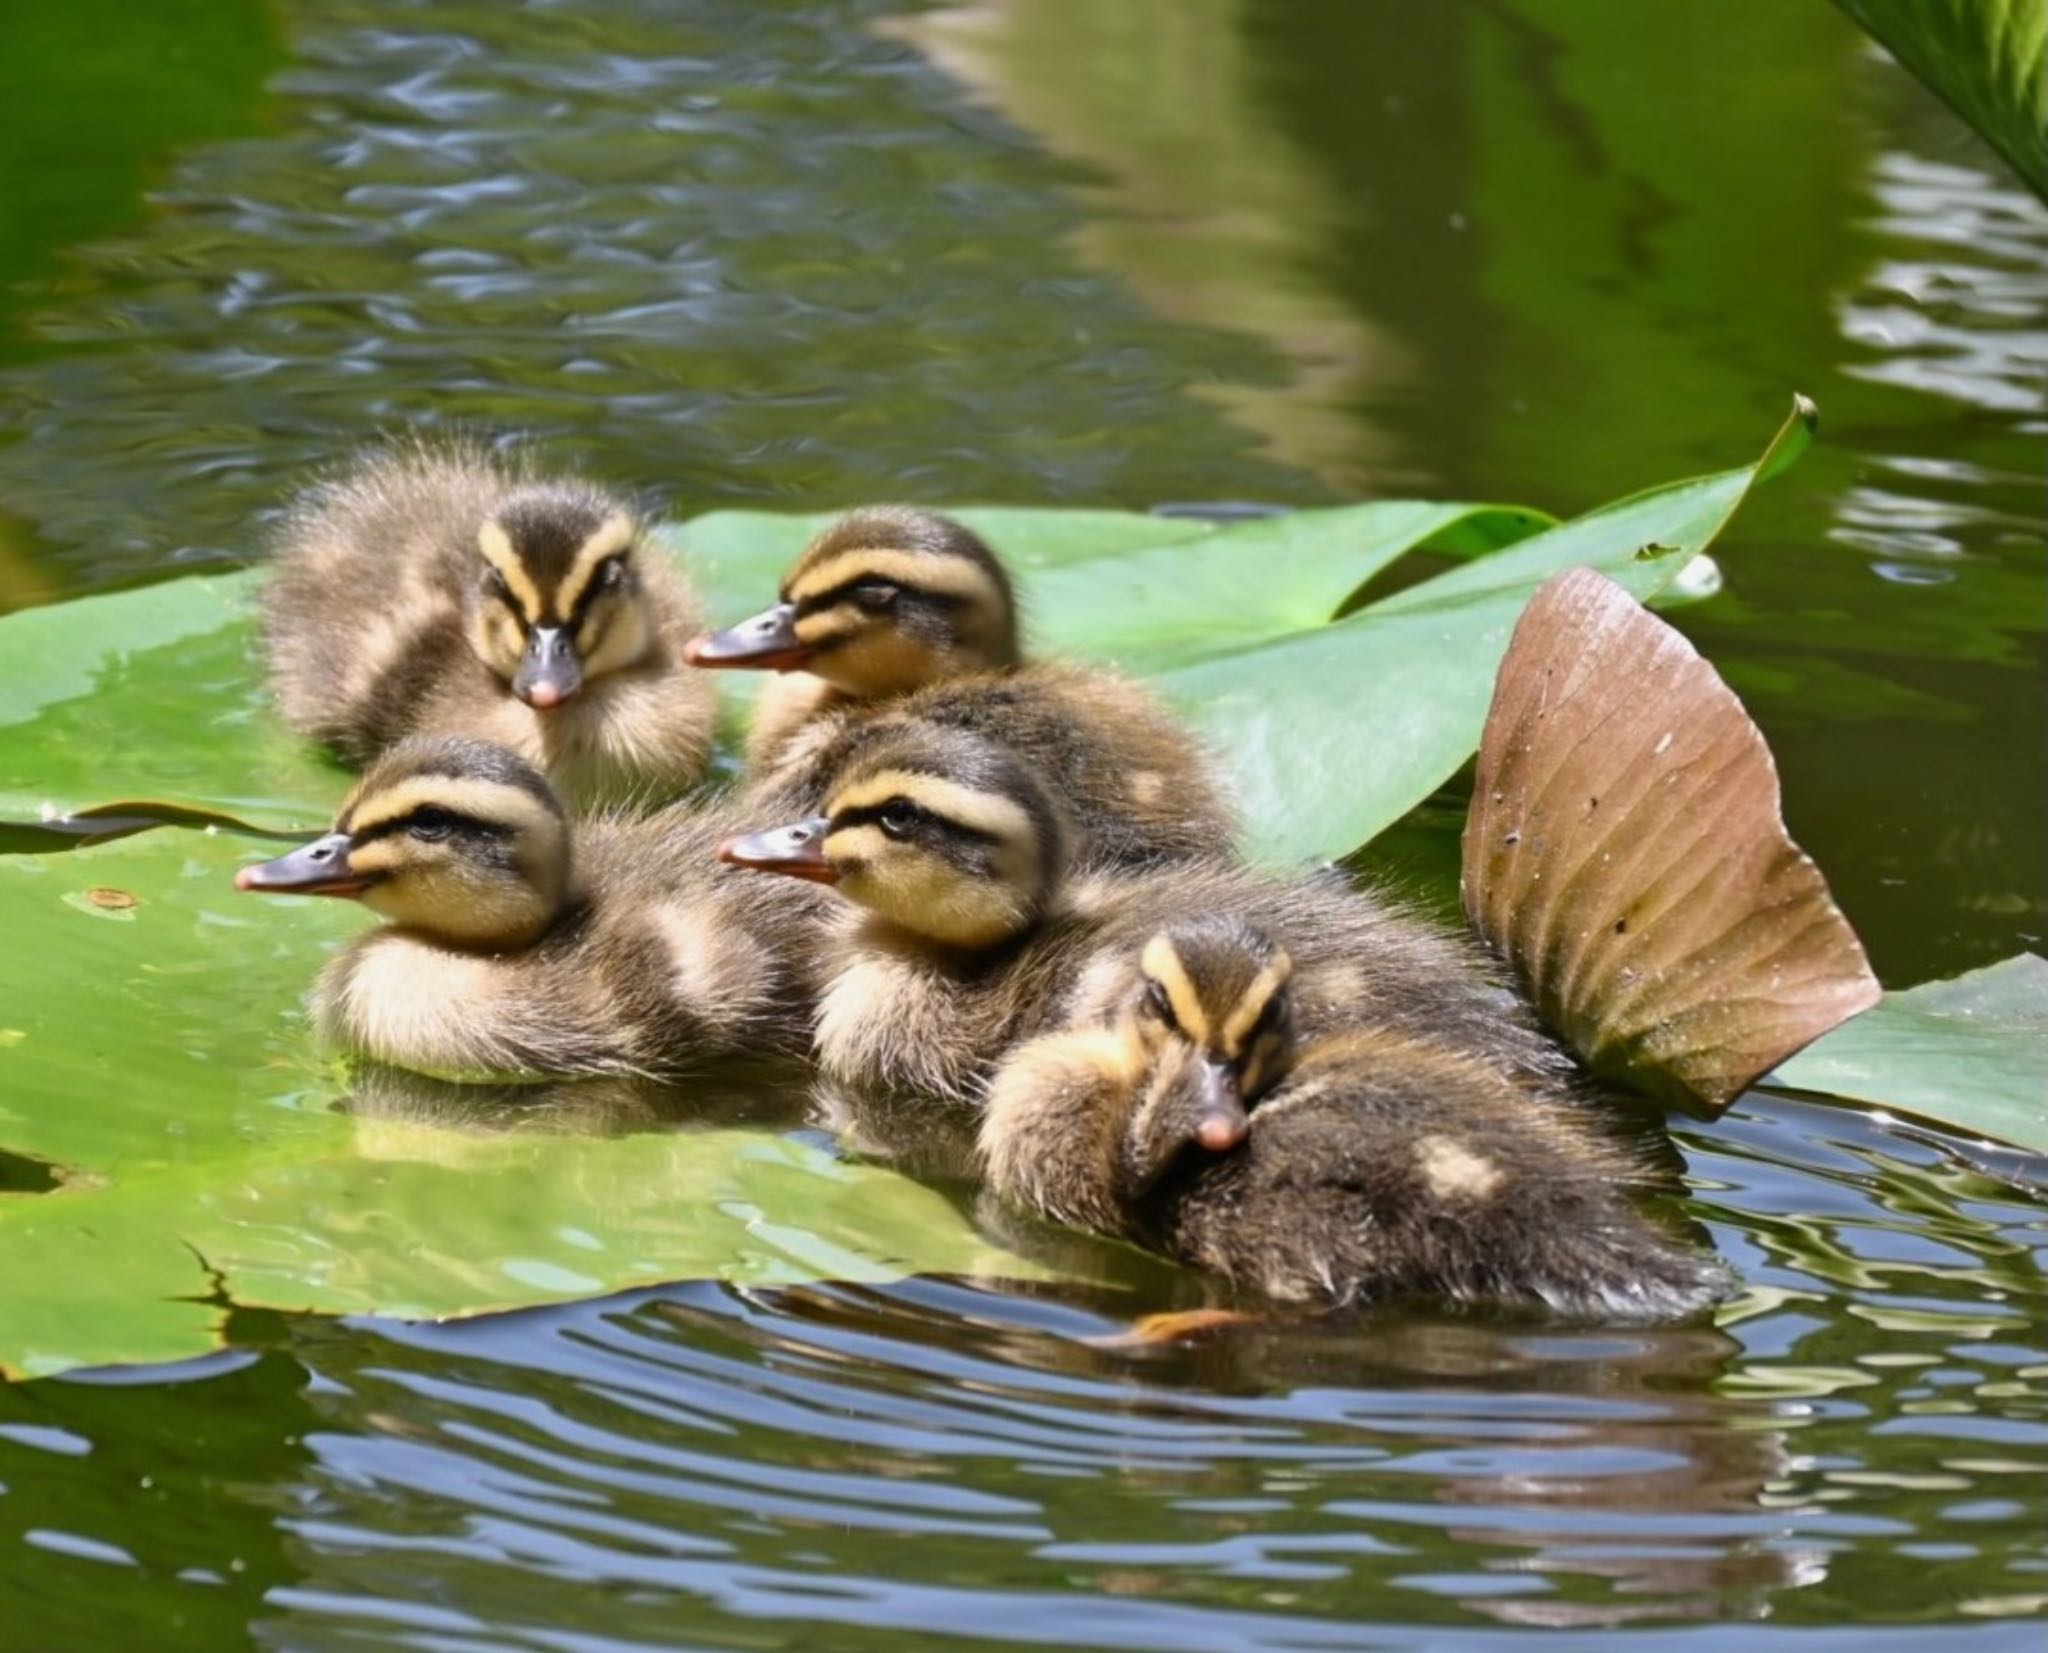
1052 251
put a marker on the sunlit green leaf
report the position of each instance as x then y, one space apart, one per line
1986 59
1971 1052
155 1062
1334 732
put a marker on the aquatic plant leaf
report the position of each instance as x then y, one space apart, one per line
1334 733
1142 591
154 1054
1970 1052
1625 851
155 693
1986 59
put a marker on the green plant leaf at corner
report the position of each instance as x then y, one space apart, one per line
1970 1053
151 694
1333 733
152 1048
1986 59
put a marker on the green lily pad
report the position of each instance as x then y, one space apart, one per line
151 694
1334 732
155 1063
1970 1052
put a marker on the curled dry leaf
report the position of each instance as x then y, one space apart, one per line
1626 854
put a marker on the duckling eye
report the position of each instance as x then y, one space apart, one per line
611 573
1158 1006
430 824
873 595
1271 1020
495 586
898 820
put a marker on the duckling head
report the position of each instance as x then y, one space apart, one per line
457 839
884 601
1215 1019
556 600
941 834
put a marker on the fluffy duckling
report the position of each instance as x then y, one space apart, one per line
518 941
971 927
894 617
441 590
1368 1163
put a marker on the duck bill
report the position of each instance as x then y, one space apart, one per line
767 642
796 851
550 672
318 868
1221 1122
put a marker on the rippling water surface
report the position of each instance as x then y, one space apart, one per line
1045 250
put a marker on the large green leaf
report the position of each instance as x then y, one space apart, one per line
1335 732
156 694
151 694
1971 1052
1332 732
153 1061
1986 59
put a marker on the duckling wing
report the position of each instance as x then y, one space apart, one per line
1625 852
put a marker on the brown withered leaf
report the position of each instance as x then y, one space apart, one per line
1625 852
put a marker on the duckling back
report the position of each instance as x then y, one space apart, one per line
659 961
1388 1167
363 610
438 589
1134 784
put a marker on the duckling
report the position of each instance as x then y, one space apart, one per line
894 617
1367 1163
517 940
442 590
973 926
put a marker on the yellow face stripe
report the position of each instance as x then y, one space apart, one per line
1163 965
496 546
855 843
943 576
486 800
1251 1005
1001 818
608 539
816 630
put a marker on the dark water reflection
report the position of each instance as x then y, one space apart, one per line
1858 1442
1050 250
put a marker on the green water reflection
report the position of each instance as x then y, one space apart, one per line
1053 250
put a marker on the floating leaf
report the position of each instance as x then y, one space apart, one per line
1334 733
1971 1052
1626 852
153 694
158 1067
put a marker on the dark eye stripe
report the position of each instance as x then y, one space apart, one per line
1160 1004
871 815
595 587
832 596
432 815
